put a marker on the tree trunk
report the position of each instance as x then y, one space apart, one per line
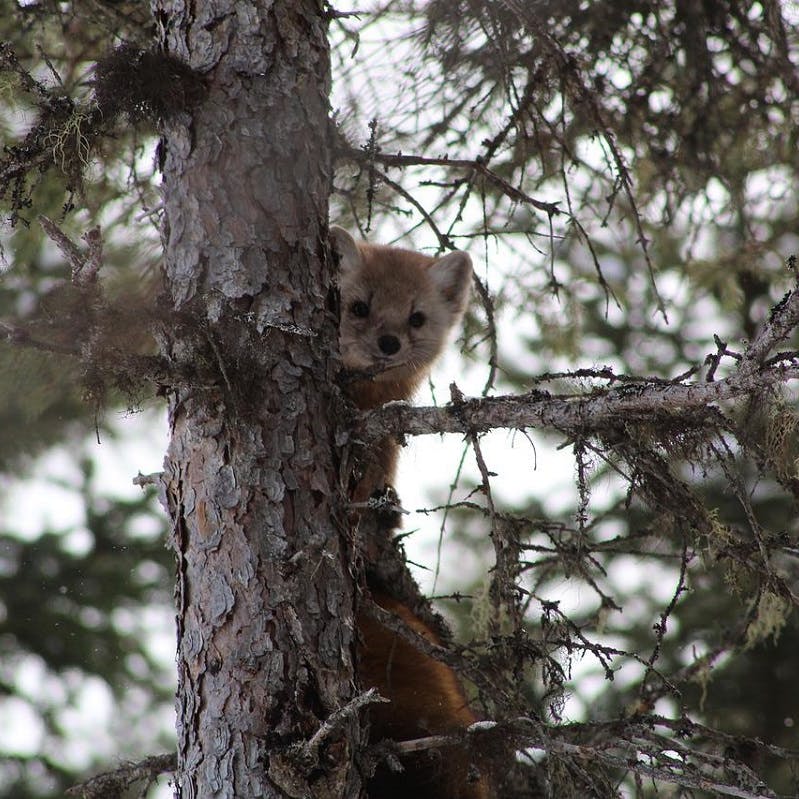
264 595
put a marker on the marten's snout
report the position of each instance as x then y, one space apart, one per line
389 345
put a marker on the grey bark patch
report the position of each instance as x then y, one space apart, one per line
221 599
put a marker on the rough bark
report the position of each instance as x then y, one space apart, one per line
264 599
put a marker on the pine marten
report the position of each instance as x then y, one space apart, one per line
397 309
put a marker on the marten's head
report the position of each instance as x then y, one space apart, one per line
397 306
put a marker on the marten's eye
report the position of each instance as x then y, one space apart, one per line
360 309
417 319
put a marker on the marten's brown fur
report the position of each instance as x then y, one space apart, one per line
426 698
397 309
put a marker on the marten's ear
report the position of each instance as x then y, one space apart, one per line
348 253
453 275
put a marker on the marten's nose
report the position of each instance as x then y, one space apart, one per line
389 345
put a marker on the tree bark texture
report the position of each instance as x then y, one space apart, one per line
264 606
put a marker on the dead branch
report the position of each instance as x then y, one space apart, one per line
477 166
336 719
114 783
601 411
632 746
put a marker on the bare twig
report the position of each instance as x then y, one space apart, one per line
114 783
9 60
336 719
435 651
68 248
94 259
551 209
782 321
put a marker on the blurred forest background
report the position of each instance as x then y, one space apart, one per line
624 175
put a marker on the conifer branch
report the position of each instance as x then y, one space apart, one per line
634 399
596 412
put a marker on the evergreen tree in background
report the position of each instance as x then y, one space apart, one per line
623 176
